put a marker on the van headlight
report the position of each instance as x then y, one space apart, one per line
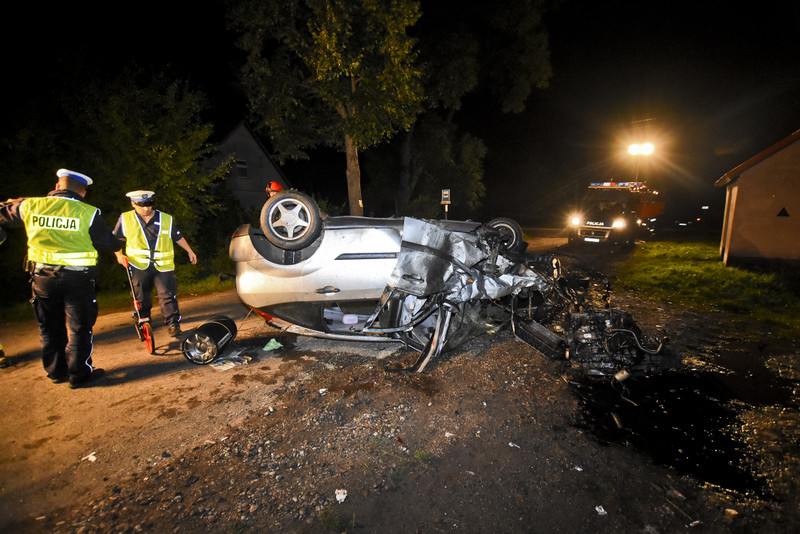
575 220
618 223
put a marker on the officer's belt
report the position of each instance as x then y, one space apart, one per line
65 267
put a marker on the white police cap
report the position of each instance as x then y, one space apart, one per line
140 195
82 178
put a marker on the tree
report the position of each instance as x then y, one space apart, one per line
500 48
336 73
132 131
432 156
150 135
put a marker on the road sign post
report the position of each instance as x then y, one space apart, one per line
445 201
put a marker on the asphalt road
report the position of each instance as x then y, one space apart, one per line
542 240
598 256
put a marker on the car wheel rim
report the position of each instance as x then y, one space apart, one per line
200 348
290 219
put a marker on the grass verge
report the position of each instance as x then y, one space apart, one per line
692 274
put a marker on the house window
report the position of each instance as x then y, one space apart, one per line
241 168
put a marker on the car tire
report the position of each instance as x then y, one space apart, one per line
291 220
511 232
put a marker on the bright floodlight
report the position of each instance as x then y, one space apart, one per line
641 149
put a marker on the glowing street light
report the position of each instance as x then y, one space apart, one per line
640 149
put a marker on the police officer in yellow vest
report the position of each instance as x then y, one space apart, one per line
64 236
149 235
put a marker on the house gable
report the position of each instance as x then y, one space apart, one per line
762 207
252 168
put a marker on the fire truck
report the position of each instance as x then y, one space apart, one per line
616 213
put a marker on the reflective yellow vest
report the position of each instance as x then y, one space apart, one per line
58 231
137 249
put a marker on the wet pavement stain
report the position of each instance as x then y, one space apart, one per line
697 421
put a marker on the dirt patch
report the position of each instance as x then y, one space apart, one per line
494 438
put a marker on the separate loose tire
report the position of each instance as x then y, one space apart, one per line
208 341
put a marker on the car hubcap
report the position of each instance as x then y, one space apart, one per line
291 221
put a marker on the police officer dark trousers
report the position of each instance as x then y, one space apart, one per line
64 236
66 309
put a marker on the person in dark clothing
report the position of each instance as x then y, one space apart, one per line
64 236
149 235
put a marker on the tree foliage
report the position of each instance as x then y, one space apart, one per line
151 136
131 132
438 156
515 55
337 73
498 48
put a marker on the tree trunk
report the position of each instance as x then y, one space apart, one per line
353 178
402 196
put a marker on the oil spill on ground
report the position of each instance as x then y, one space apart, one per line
690 419
351 388
424 383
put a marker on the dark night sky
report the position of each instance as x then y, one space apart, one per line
710 84
709 87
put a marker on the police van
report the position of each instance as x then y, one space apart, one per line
615 213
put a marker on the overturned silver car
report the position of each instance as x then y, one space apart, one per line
428 284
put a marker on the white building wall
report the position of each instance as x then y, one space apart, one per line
763 219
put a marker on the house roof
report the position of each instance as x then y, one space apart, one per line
731 176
